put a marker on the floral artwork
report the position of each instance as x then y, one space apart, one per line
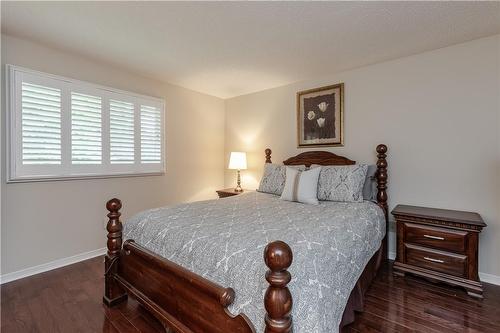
319 115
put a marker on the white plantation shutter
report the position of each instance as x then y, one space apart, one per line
64 128
86 126
41 124
121 132
150 134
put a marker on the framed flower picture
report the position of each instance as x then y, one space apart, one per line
320 116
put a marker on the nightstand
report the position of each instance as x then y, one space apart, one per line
227 192
440 245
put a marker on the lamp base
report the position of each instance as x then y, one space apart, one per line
238 183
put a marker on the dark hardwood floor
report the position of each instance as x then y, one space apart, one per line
69 300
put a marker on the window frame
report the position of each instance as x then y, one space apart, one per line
19 172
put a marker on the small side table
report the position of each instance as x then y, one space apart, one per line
228 192
440 245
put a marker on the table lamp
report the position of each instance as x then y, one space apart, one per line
238 161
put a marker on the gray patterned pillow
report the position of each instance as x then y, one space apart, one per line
342 183
273 180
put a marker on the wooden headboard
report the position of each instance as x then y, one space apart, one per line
318 157
328 158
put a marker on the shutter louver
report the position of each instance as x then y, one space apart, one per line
150 134
41 124
121 132
86 142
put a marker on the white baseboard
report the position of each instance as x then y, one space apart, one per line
50 265
489 278
485 277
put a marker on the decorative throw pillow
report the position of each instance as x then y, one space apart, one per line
273 180
342 183
301 186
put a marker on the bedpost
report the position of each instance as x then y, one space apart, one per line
113 294
278 300
268 155
382 193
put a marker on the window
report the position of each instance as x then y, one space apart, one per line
64 128
86 129
40 124
150 134
121 132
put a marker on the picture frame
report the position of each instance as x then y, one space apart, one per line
320 117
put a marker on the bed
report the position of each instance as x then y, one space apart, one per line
177 259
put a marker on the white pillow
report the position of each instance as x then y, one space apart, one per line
301 186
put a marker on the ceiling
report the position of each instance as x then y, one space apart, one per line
227 49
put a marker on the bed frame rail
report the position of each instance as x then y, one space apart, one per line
187 296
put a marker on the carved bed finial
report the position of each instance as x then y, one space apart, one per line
278 300
114 227
113 294
268 155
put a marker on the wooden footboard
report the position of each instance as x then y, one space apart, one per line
182 300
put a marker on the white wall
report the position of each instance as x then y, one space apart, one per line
438 112
42 222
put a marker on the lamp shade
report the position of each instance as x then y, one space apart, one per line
238 160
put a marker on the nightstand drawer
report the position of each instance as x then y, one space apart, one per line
440 261
441 238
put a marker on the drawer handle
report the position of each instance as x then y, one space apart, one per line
434 260
434 237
